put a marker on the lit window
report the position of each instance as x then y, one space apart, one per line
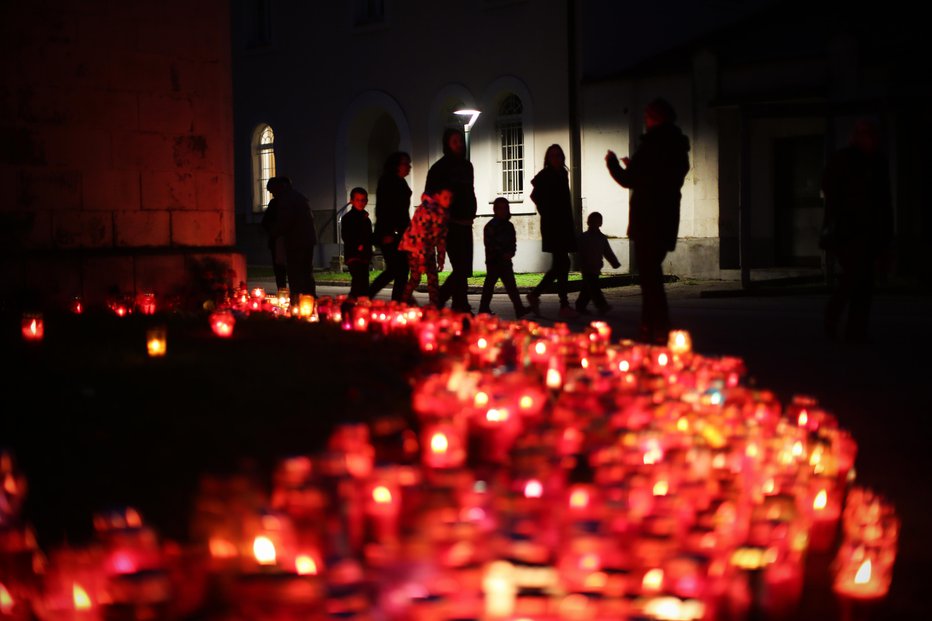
263 166
511 138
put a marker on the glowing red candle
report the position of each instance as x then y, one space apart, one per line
33 327
222 322
145 302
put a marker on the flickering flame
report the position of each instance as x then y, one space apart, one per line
264 550
752 451
155 345
533 489
653 454
661 488
797 449
496 415
481 399
589 562
221 548
305 566
679 342
526 402
682 424
382 495
540 348
554 378
579 499
820 501
674 609
624 366
34 327
863 575
80 597
803 418
361 322
9 485
584 363
769 487
652 581
482 343
439 443
133 519
6 601
663 360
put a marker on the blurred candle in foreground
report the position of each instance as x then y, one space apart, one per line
156 341
33 327
222 322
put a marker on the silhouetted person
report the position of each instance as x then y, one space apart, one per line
593 245
655 175
551 195
454 172
392 202
425 242
356 233
500 247
858 227
294 222
276 245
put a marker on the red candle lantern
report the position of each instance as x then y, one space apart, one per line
76 306
156 341
145 302
33 327
443 445
222 323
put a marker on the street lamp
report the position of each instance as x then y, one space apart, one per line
471 116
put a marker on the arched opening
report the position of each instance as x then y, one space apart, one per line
263 166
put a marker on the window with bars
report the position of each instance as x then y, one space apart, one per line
264 167
511 138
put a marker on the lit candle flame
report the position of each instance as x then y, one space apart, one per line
533 489
481 399
305 566
482 343
820 501
540 348
439 443
33 327
864 573
382 495
221 548
803 418
554 378
624 366
264 550
526 402
661 488
6 601
82 600
653 580
579 499
496 415
663 360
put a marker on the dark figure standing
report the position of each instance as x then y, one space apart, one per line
392 217
593 245
551 195
276 246
500 247
655 175
858 228
454 172
356 232
294 222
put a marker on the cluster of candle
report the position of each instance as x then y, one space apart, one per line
548 475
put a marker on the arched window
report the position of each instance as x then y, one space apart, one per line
510 132
263 166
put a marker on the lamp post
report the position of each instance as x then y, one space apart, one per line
470 116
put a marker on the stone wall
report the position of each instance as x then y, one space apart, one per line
115 145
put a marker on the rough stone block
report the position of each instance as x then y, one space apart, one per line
143 73
165 113
105 109
160 274
44 105
21 146
191 152
82 229
117 190
105 275
169 190
49 189
214 192
228 229
75 147
209 80
38 230
142 228
197 228
139 150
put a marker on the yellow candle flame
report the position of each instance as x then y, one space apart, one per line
533 489
803 418
264 550
382 495
439 443
305 565
624 366
496 415
663 360
221 548
863 575
554 378
579 499
482 343
661 488
6 601
481 399
34 327
526 402
652 580
80 597
584 363
820 501
540 348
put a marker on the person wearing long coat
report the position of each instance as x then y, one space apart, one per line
294 223
392 218
655 176
551 195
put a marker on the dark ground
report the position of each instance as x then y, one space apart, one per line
95 422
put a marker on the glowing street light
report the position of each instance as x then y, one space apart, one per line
470 115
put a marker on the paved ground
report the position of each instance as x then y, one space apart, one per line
880 390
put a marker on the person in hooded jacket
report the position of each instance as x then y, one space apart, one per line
454 172
551 195
655 176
